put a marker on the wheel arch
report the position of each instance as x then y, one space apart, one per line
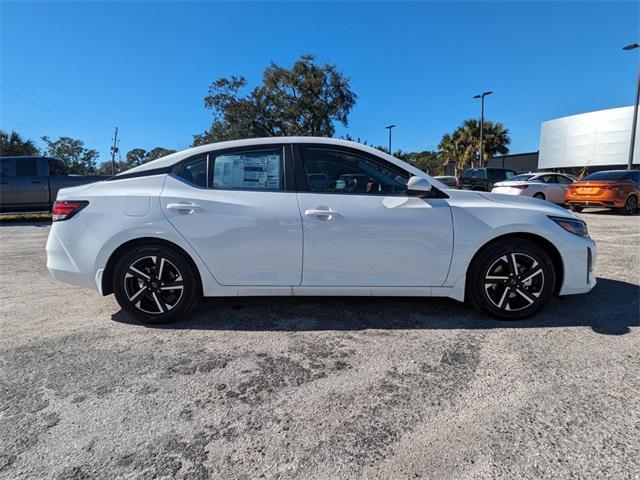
548 246
107 276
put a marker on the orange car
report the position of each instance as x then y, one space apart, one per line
610 189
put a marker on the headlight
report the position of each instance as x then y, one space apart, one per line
572 225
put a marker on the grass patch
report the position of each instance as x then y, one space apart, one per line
25 217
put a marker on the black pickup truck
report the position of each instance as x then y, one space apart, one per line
32 183
484 178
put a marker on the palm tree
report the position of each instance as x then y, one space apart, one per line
463 145
14 145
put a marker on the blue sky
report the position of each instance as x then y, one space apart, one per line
146 66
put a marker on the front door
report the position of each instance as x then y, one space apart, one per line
360 227
234 210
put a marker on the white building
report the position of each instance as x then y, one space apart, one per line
596 139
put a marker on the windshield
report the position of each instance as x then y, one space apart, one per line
610 175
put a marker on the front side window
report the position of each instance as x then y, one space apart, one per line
336 171
250 170
563 180
547 179
27 167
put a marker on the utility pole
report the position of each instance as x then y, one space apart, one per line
114 150
389 127
481 97
634 121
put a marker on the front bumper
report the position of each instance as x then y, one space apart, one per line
579 264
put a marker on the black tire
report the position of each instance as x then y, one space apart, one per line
149 298
630 206
495 289
576 208
540 196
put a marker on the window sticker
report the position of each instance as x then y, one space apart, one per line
261 171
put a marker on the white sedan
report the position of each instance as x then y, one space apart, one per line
542 185
309 216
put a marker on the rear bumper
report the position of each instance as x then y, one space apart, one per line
593 203
63 266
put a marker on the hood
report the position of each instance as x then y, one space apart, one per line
529 203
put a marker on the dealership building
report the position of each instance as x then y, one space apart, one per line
596 140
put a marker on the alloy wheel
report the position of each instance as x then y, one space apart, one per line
153 284
514 282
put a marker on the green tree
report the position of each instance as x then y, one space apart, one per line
306 99
134 158
12 144
427 161
157 152
73 153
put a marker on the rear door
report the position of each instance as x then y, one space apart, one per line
29 186
360 227
238 210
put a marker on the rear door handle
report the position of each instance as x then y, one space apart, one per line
184 207
322 213
36 181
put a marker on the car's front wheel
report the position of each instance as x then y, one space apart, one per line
511 279
155 284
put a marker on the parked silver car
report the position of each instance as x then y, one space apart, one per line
543 185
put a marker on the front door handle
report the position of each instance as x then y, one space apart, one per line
183 207
322 213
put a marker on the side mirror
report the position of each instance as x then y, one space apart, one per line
418 186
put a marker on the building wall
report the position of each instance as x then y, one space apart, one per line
594 139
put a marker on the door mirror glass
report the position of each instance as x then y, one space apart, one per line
418 186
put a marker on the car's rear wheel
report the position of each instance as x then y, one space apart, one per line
539 196
155 284
511 279
630 206
575 208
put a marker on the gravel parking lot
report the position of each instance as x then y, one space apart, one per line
319 387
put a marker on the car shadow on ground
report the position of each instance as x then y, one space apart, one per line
611 308
24 223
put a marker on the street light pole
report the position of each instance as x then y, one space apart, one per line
481 97
634 120
389 127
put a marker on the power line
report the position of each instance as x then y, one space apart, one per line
22 124
53 111
87 119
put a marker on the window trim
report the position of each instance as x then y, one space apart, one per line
302 185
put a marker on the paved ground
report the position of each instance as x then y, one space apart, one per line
319 388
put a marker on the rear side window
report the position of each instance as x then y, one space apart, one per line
27 167
614 175
195 171
250 170
471 173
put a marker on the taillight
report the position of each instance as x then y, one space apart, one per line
519 187
64 210
458 183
